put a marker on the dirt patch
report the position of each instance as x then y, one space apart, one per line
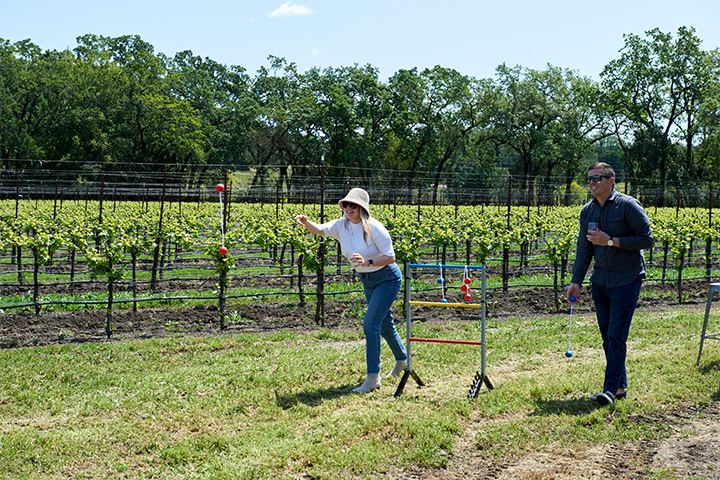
691 450
269 314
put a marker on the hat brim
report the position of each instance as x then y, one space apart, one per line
350 200
351 197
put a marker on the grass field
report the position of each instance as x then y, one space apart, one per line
278 406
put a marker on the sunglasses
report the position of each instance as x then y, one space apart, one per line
597 178
349 205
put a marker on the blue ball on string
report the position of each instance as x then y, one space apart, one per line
443 301
441 280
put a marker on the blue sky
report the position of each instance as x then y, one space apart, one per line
471 36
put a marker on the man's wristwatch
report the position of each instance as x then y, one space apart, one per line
370 262
610 243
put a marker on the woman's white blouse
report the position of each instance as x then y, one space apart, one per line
350 236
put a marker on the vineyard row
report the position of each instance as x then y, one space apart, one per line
152 249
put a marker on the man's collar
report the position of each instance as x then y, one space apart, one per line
611 197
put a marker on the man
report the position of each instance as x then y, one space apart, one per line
614 230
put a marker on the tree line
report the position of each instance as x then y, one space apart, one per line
114 105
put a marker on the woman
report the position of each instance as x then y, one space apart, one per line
366 243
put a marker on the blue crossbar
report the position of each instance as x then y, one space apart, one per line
430 265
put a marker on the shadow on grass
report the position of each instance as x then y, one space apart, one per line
579 406
709 367
312 398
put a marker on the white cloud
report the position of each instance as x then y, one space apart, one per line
315 51
287 9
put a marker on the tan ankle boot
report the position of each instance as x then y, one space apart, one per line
371 383
399 368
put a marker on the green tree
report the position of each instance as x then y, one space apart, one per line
434 113
456 107
694 75
221 99
286 130
658 85
708 125
153 128
409 137
36 93
547 119
351 115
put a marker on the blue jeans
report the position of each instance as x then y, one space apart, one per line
381 287
614 308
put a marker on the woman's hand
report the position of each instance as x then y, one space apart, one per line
311 226
357 260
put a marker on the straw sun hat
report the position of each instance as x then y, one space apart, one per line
359 197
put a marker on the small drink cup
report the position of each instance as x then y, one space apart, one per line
353 263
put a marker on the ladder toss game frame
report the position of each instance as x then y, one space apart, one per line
481 376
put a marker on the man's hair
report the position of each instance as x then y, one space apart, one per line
606 168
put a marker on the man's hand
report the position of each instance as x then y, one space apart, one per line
573 290
598 237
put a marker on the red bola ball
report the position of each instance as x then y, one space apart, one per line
464 287
468 280
219 187
468 296
223 250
